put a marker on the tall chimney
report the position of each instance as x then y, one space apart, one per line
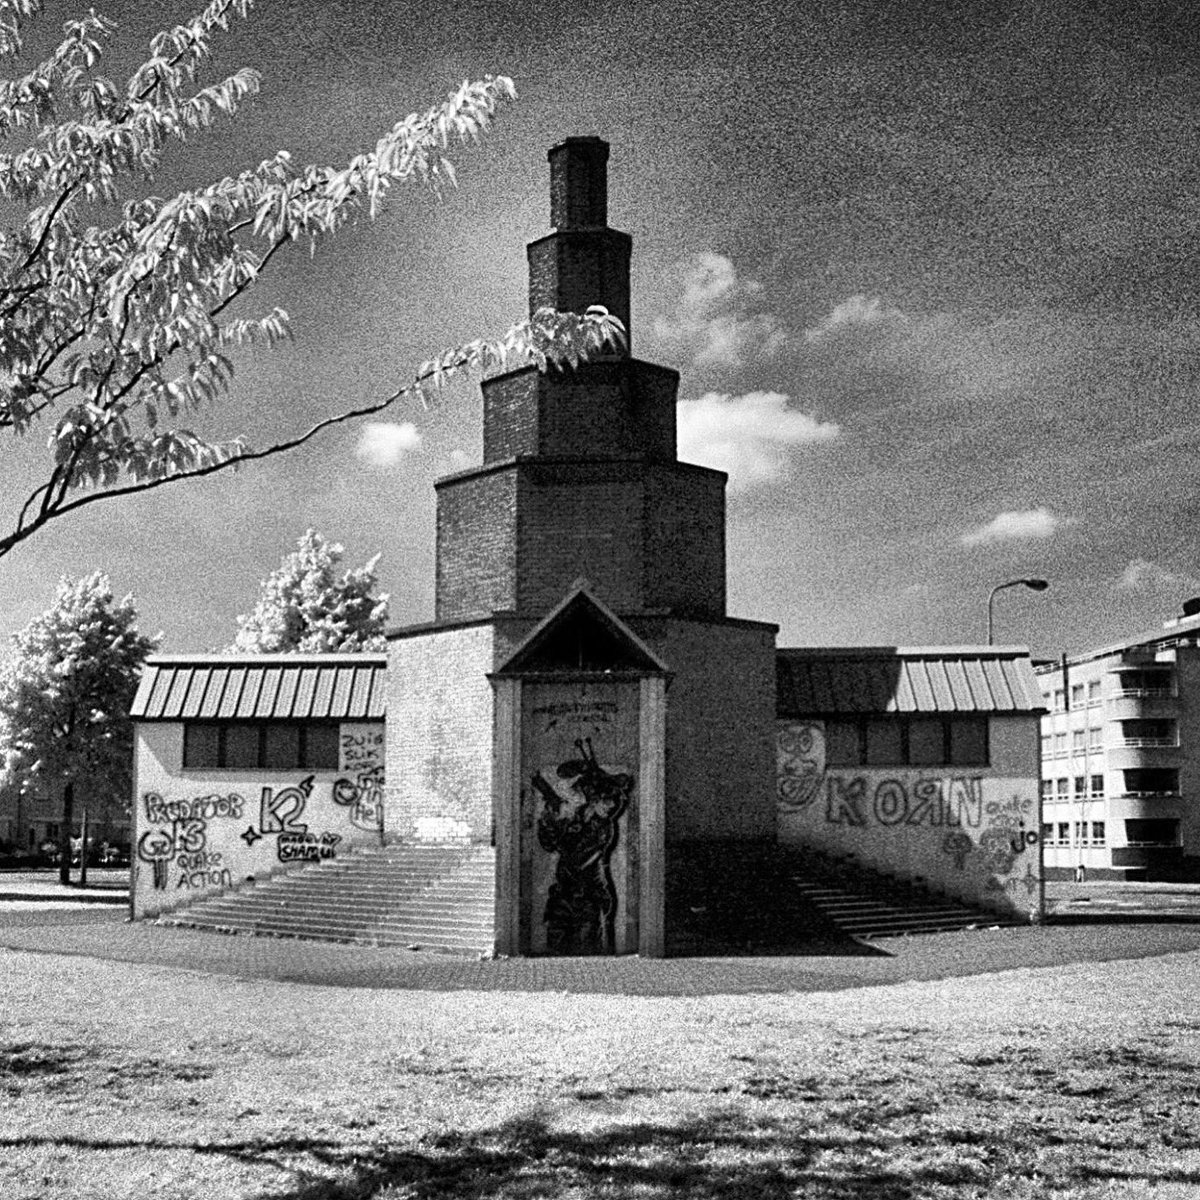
579 183
582 262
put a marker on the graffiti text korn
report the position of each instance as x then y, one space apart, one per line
849 801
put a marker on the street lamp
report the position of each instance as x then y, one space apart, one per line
1034 585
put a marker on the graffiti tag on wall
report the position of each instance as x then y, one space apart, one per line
582 805
180 838
800 765
854 800
360 787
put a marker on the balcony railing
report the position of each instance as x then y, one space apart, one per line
1150 743
1161 692
1160 794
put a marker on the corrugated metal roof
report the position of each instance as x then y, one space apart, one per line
293 687
891 679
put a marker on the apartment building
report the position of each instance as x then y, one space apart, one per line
1121 756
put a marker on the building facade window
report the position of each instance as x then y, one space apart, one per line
260 745
1080 785
1047 789
1098 838
1155 831
907 741
1062 788
1060 700
1095 738
1094 695
1097 785
1077 742
1064 832
1060 744
1077 694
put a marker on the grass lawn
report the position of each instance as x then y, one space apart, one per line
122 1081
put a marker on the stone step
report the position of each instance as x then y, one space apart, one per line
316 927
438 898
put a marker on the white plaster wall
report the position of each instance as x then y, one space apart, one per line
971 832
197 832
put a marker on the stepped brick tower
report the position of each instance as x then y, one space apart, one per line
579 476
580 545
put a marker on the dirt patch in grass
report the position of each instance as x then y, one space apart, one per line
131 1082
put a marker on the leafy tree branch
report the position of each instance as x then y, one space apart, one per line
108 333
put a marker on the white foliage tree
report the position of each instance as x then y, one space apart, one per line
65 697
306 606
116 324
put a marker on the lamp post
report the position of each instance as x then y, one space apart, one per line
1034 585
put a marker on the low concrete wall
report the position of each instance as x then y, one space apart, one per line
971 832
197 832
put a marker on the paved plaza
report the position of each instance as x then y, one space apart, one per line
36 914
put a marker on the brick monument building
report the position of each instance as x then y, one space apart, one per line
582 728
581 560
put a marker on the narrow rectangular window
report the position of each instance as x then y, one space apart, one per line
1098 833
1097 785
283 746
201 744
884 746
320 747
1081 785
927 742
843 744
969 742
1064 831
1077 695
242 745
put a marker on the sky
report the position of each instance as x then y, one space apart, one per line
927 271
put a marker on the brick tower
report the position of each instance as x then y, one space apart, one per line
580 481
579 476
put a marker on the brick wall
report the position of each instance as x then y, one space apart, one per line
606 408
572 270
510 414
439 766
685 540
476 544
720 727
580 520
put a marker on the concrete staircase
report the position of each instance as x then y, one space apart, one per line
863 903
427 897
763 898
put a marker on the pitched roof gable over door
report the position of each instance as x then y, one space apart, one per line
582 636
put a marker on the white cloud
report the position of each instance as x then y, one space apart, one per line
1142 575
383 443
855 313
1016 526
746 436
711 319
